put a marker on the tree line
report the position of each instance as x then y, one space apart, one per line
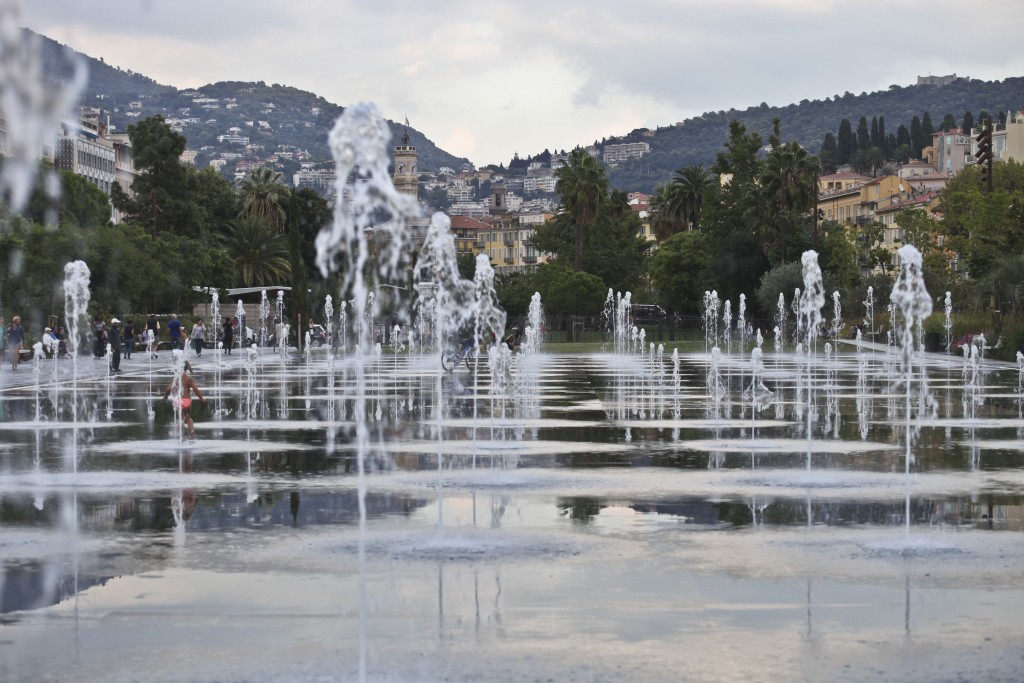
183 232
740 226
871 147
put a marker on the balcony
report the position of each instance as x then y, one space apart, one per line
529 259
479 244
510 243
509 261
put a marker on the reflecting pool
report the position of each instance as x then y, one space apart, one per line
587 517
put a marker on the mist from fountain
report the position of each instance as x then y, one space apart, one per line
623 331
809 322
837 317
264 312
869 312
948 326
727 326
911 300
741 323
76 306
33 106
359 145
780 323
863 400
756 393
712 306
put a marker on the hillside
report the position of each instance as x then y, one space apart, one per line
277 118
293 120
698 139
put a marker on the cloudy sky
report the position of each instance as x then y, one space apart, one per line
486 79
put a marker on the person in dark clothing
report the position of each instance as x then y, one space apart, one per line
229 335
129 338
174 330
99 345
114 339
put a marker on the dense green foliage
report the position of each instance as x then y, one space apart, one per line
596 244
693 142
203 234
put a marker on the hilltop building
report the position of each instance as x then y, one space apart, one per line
937 80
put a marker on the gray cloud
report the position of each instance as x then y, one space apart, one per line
535 74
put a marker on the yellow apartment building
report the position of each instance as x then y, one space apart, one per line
839 195
889 216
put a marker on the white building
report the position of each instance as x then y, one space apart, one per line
613 154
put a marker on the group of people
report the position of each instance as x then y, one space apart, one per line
124 339
121 337
197 335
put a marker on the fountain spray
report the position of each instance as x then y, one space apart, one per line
810 321
76 303
911 301
359 141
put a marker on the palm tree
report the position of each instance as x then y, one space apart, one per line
694 182
791 180
666 216
259 252
583 185
262 197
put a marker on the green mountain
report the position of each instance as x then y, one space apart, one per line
697 140
292 119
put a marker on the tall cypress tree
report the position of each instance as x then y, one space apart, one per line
863 137
968 122
829 153
915 137
926 130
904 143
876 140
845 143
948 123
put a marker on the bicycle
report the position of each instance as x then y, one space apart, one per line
452 357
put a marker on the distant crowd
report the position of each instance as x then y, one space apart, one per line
113 339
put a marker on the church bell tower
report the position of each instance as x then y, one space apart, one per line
405 177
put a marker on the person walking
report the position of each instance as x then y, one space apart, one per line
152 334
199 336
184 387
129 338
15 340
229 335
114 340
174 331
